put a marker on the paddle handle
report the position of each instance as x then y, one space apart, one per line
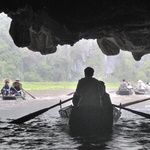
134 102
133 111
29 94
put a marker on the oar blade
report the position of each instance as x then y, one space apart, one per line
37 113
29 116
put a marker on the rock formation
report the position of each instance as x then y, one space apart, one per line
42 25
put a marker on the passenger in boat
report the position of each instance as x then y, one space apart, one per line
148 87
129 86
16 88
123 85
89 90
92 105
6 88
141 85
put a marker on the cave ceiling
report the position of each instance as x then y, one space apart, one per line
42 25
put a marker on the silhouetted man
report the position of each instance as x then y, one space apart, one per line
89 90
92 111
123 85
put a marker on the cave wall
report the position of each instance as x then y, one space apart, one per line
117 25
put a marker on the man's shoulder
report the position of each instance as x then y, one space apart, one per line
86 79
102 82
81 79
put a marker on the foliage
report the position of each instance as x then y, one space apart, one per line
48 85
68 63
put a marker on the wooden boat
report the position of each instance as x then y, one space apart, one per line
89 120
140 92
10 97
124 92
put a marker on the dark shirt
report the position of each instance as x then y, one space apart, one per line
15 89
89 92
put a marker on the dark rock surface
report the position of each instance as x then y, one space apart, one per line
45 24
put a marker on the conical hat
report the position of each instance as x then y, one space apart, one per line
7 80
140 81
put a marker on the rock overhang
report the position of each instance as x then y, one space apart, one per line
117 25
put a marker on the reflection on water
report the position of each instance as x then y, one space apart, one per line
47 132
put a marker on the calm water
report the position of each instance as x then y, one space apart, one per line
47 131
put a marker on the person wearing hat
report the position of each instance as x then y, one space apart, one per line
16 88
6 88
141 85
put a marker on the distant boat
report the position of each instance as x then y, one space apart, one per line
124 92
140 91
10 97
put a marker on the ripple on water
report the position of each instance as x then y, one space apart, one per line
46 132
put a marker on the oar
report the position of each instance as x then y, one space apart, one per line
34 114
29 94
70 93
135 102
37 113
17 92
134 111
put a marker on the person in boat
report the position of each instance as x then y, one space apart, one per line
5 91
16 88
91 104
141 85
148 87
89 90
129 86
123 86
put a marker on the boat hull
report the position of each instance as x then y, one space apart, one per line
9 98
12 97
124 92
89 120
140 92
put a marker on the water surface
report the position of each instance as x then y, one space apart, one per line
47 131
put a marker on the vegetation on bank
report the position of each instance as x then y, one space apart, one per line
58 85
55 85
48 85
29 86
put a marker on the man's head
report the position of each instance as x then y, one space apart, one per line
7 82
89 72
